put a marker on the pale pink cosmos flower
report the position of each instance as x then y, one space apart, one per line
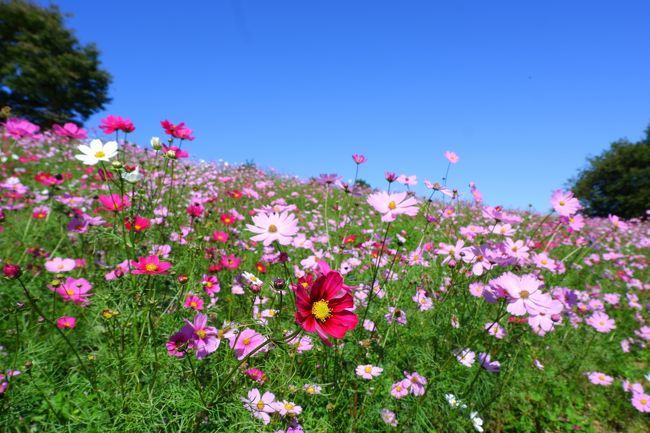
407 180
465 356
415 382
368 371
393 204
601 322
565 203
274 227
389 417
287 408
524 293
452 157
58 264
400 389
261 406
641 401
598 378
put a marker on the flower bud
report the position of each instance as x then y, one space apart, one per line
170 154
155 143
11 271
116 164
182 278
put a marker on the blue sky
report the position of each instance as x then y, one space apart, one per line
523 91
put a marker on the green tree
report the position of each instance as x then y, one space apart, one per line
616 181
46 75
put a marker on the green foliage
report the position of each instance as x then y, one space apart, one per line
46 75
616 181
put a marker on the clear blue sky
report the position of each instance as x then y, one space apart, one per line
523 91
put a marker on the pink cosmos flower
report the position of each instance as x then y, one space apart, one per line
617 223
58 264
179 131
415 382
598 378
601 322
565 203
246 342
465 357
75 290
641 401
400 389
150 265
174 152
19 128
203 338
452 157
358 159
368 371
524 293
256 374
393 204
407 180
287 408
69 130
114 202
111 123
194 302
230 261
261 406
389 417
274 227
66 322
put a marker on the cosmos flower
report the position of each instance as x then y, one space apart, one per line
66 322
565 203
452 157
75 290
112 123
58 264
393 204
274 227
368 371
324 309
150 265
69 130
96 151
261 406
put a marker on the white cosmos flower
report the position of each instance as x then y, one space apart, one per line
132 176
96 151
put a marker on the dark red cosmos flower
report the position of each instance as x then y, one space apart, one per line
324 308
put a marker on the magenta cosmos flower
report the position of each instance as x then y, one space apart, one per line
358 159
150 265
324 308
111 123
75 290
114 202
66 322
247 341
393 204
194 335
69 130
274 227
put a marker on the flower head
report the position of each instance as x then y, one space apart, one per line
96 151
393 204
274 227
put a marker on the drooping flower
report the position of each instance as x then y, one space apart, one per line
324 309
393 204
274 227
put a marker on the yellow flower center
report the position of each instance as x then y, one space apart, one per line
392 205
100 154
70 292
311 390
368 370
321 310
524 294
260 405
246 341
201 333
544 261
562 203
151 267
289 406
643 401
273 228
193 304
60 266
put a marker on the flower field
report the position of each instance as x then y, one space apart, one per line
144 291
